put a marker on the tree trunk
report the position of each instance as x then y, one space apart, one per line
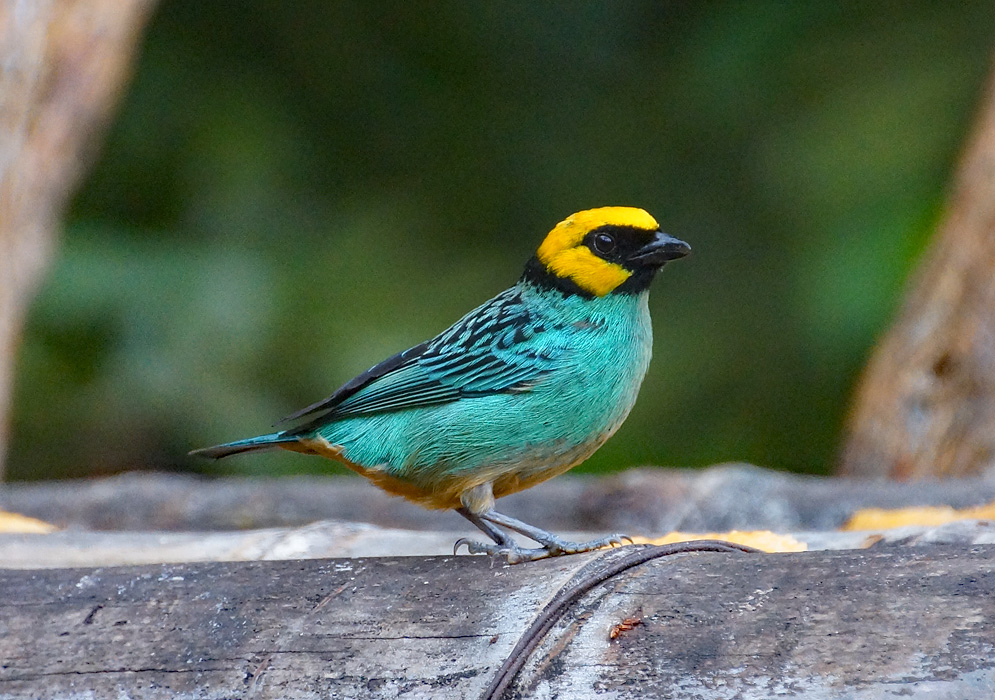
64 62
926 404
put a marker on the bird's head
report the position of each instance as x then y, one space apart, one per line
600 251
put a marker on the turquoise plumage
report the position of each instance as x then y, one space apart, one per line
522 388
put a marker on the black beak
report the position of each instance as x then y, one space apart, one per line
662 249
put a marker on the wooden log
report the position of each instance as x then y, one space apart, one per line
909 622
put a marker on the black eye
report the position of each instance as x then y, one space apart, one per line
603 243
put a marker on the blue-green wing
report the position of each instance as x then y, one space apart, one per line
498 347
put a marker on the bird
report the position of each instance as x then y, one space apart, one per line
524 387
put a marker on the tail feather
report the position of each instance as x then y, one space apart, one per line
253 444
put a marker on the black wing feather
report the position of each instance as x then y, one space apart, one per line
492 349
392 363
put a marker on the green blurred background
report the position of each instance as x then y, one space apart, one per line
293 191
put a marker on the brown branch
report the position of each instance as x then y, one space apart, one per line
926 404
64 62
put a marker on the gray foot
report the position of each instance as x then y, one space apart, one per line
559 547
551 547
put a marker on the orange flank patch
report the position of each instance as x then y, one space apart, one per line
444 494
884 518
17 523
764 540
435 499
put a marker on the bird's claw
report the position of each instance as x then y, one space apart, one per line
512 553
553 547
470 545
560 547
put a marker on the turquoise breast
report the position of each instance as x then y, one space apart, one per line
530 435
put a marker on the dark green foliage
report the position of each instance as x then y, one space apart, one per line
294 191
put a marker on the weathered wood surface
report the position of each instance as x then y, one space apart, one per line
331 539
315 541
648 500
909 622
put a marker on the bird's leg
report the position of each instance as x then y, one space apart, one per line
505 546
500 537
478 508
550 542
478 501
